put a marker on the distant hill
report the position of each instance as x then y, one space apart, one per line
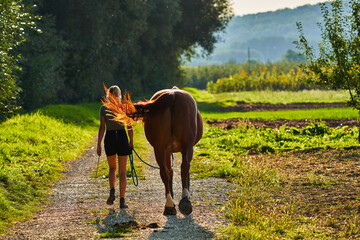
268 35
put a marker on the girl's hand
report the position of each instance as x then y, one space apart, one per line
131 145
98 150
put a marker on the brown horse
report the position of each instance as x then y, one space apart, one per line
172 123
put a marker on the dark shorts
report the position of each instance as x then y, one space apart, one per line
116 142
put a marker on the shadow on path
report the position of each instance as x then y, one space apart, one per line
118 225
184 227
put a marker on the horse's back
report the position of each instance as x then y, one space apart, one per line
177 126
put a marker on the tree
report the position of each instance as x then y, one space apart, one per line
338 63
292 56
42 64
14 17
136 44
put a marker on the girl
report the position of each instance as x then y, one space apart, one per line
115 143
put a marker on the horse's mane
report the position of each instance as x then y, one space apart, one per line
128 112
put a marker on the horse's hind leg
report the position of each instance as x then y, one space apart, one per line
185 204
166 175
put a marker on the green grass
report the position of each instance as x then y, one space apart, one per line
288 97
33 148
84 115
209 104
220 143
321 113
271 97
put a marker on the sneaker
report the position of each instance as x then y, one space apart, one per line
111 198
122 203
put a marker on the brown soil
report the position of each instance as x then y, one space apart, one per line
78 209
230 123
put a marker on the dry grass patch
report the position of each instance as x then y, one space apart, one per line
323 187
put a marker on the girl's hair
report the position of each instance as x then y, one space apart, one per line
115 90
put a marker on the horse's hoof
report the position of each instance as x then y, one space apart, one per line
185 206
169 211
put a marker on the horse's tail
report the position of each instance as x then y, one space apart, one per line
128 112
157 103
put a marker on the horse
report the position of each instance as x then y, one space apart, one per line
172 123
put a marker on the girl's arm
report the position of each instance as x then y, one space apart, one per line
100 134
131 136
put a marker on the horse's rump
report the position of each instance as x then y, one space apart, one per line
154 105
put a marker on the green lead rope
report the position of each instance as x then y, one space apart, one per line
143 160
133 171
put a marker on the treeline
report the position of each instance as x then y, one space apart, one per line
137 44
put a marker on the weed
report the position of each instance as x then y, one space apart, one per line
320 180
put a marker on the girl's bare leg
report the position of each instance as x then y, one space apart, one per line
112 178
112 170
122 174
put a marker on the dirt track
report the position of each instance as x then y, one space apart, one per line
77 209
230 123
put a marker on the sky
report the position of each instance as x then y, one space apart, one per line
243 7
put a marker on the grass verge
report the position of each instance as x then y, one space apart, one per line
33 149
212 101
322 113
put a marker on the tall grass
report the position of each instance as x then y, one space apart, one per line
33 148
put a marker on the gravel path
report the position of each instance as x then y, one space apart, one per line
77 209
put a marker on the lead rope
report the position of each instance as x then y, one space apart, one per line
133 171
143 160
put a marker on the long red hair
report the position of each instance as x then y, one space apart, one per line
128 112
